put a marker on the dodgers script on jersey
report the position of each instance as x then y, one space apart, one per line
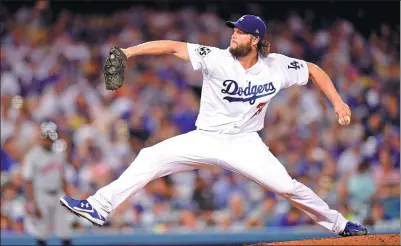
235 100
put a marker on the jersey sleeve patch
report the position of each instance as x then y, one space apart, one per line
203 51
295 65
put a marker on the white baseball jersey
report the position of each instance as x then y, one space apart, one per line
234 100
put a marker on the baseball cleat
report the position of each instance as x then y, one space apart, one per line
353 229
83 209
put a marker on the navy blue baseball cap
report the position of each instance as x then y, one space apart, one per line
251 24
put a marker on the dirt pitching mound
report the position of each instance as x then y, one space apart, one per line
379 239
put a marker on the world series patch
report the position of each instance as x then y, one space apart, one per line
203 51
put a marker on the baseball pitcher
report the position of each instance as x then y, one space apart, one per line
44 184
238 84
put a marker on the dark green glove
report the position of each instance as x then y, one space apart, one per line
114 68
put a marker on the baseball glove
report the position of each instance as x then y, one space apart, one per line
114 68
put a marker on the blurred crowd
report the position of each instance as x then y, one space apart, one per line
51 70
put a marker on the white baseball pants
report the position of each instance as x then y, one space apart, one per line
242 153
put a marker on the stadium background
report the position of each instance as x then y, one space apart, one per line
57 51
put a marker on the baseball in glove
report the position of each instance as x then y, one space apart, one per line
114 68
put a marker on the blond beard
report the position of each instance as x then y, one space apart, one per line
241 50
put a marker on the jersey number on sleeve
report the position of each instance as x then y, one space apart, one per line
294 65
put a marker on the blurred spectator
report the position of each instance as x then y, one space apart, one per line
349 159
360 186
6 224
385 177
204 198
378 217
188 220
238 210
268 210
202 195
292 218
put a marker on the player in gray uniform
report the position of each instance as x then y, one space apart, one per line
43 172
